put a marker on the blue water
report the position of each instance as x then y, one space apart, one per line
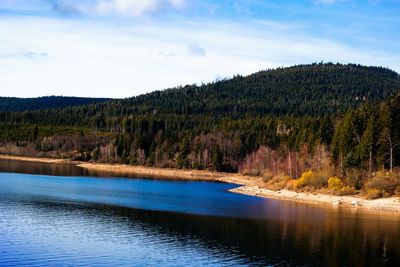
93 221
202 198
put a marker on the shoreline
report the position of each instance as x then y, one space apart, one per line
153 172
246 185
386 205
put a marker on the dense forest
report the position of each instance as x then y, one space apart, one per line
46 102
308 126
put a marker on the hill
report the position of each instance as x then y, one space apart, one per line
312 90
317 89
10 104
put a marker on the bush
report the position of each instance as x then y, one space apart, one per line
252 172
291 184
334 183
386 183
355 178
278 182
397 193
347 191
267 175
374 193
309 178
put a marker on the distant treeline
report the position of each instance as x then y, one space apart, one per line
12 104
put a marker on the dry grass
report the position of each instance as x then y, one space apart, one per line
346 191
278 182
388 184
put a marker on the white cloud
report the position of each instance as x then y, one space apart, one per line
116 7
92 58
328 2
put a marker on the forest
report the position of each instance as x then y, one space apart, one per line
46 102
322 126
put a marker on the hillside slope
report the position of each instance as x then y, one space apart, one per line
311 90
316 89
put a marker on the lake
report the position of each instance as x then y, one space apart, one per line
62 215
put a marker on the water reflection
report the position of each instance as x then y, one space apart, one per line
104 222
59 169
114 235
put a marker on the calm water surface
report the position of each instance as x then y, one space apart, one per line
61 215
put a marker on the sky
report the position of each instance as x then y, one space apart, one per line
123 48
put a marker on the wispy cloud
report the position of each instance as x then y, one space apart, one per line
327 2
115 7
196 50
21 53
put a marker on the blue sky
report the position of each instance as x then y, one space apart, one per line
122 48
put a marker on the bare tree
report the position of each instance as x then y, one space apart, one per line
387 138
392 146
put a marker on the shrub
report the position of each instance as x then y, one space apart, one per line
397 193
347 191
386 183
374 193
278 181
267 175
252 172
291 184
355 178
309 178
334 183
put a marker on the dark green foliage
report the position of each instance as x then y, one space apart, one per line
318 89
312 90
20 104
25 132
216 158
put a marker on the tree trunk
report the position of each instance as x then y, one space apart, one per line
290 166
370 163
391 159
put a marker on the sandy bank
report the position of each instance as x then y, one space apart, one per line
248 185
175 174
32 159
383 204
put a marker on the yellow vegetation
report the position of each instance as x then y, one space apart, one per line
374 193
278 181
334 183
346 191
312 179
386 183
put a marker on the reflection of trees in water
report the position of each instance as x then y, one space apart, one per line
337 242
58 169
40 168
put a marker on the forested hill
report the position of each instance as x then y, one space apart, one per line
317 89
21 104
